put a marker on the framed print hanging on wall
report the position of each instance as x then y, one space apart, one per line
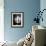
17 19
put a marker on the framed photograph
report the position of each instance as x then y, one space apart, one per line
17 19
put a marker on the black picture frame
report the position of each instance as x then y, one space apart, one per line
17 19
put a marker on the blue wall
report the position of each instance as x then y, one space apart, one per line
29 7
43 6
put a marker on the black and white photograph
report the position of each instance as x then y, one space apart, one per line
17 19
